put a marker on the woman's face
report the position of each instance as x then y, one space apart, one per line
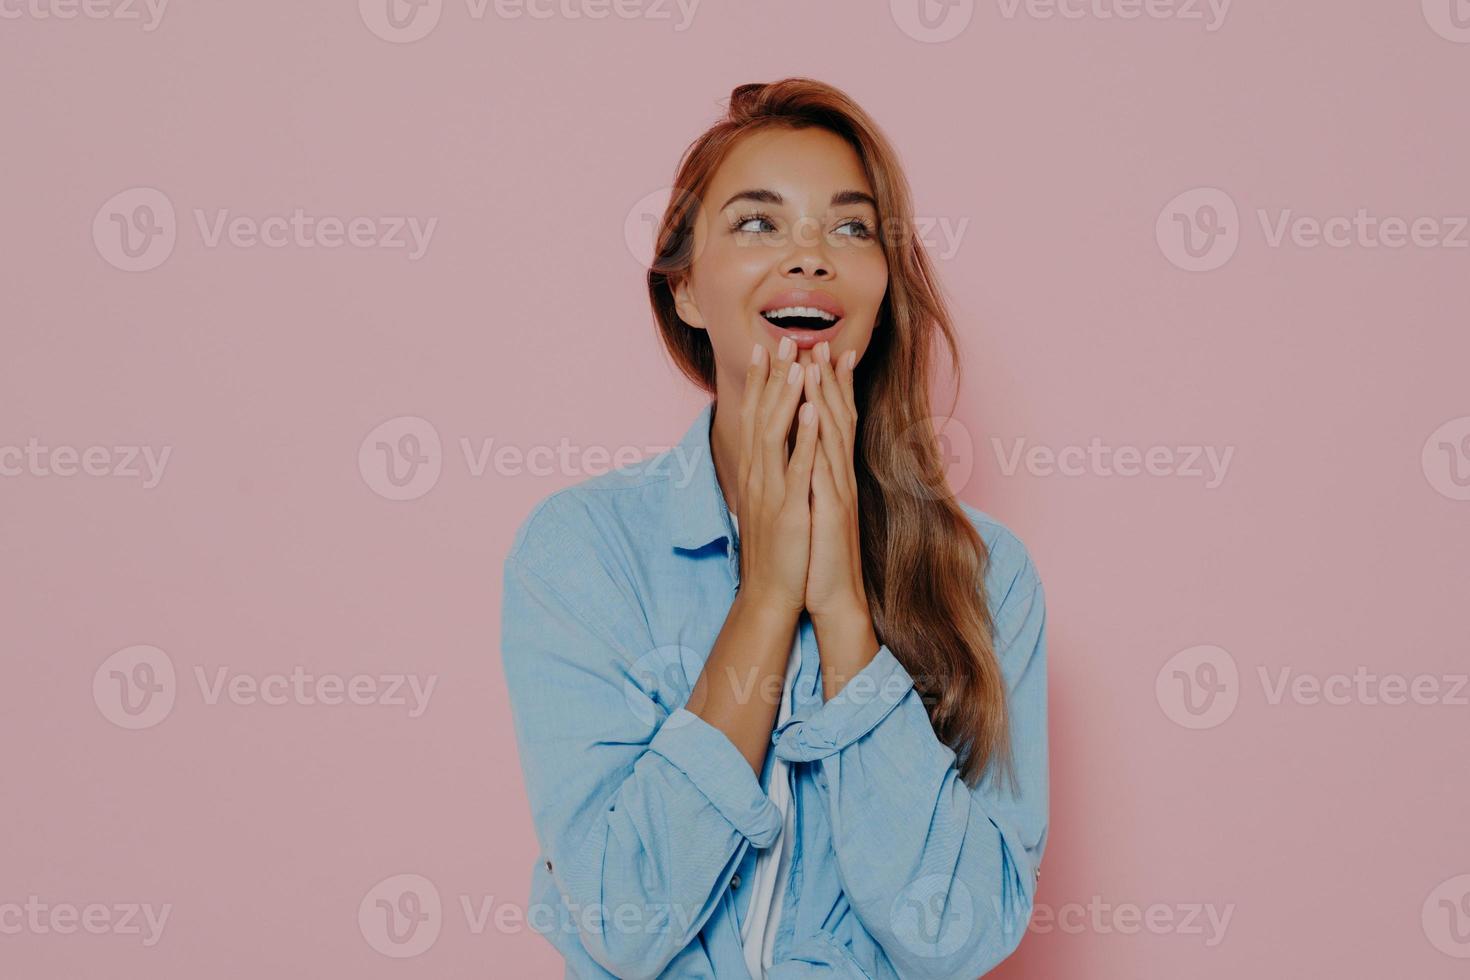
788 224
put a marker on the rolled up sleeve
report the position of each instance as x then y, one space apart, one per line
717 769
941 874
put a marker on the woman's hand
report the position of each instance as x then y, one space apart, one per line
835 596
738 689
773 503
834 584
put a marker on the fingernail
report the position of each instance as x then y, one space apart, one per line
824 351
808 411
851 358
787 347
815 373
794 373
755 354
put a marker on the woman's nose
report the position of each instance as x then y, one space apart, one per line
808 251
811 269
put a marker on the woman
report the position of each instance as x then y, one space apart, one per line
780 698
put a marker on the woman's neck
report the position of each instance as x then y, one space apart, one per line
724 441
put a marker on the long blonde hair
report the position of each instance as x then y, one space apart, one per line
923 561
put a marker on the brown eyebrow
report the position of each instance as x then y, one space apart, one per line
765 196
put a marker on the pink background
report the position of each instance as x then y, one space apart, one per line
1334 835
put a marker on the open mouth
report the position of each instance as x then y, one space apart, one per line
799 318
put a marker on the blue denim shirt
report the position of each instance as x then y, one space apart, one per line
648 817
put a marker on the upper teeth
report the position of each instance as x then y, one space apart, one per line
801 311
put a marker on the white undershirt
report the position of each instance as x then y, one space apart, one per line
772 865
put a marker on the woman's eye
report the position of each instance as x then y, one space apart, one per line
742 223
759 224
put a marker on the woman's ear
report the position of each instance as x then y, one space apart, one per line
685 305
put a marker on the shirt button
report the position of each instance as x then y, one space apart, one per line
735 881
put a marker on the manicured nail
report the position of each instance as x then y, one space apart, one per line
808 412
794 373
815 373
788 346
851 358
824 351
755 354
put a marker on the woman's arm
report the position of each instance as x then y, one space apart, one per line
941 875
739 689
643 813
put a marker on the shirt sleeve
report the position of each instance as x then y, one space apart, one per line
953 892
642 810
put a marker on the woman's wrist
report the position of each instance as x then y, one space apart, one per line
848 643
764 612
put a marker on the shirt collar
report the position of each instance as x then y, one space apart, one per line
698 514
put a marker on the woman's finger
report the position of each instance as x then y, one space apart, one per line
799 472
830 445
845 373
770 393
832 394
755 378
777 426
824 488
